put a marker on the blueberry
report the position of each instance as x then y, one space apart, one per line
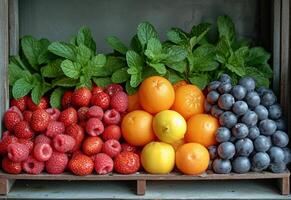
275 111
226 150
241 165
262 143
240 131
250 118
207 107
248 82
225 78
221 166
260 161
224 88
223 134
212 152
262 90
267 127
280 139
227 119
212 97
240 108
277 167
253 99
232 139
239 92
287 155
216 111
244 147
254 132
276 154
281 124
226 101
268 98
213 85
262 112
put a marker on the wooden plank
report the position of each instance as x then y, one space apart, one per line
5 186
285 185
13 27
141 187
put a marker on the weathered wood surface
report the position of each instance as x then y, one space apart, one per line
13 27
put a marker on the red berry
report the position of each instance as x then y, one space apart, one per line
10 166
92 145
112 148
69 116
94 127
111 89
126 163
119 101
81 97
6 140
54 113
96 90
103 163
26 142
63 143
111 132
95 111
32 166
54 128
42 139
40 120
101 99
42 151
77 132
67 99
42 105
128 147
23 130
57 163
111 117
17 152
19 103
81 165
27 115
11 118
83 125
15 109
82 114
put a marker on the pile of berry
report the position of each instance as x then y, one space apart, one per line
251 136
82 137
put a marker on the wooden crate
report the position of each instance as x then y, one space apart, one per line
274 34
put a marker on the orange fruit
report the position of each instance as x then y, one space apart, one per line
192 158
137 128
177 144
189 100
201 128
133 103
156 94
179 84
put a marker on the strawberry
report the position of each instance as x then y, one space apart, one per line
15 109
81 165
42 105
11 118
23 130
57 163
10 166
69 116
42 151
83 125
112 148
27 115
54 128
126 163
54 113
119 101
111 132
103 163
101 99
92 145
67 99
63 143
94 127
40 120
96 90
19 103
42 139
26 142
17 152
32 166
95 111
82 114
81 97
77 132
111 117
111 89
6 140
129 148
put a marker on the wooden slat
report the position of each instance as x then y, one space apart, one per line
5 186
285 185
141 186
13 27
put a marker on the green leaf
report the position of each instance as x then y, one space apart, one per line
175 53
21 87
120 76
257 56
85 37
71 69
261 80
241 43
44 56
149 71
146 31
85 81
130 90
15 73
63 50
134 60
38 91
223 50
65 82
159 67
102 82
135 79
173 76
154 45
114 63
236 61
266 70
200 80
83 54
52 69
177 36
98 61
226 28
178 66
97 66
116 44
198 32
56 98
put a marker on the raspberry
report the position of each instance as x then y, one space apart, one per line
23 130
96 90
54 128
111 132
67 99
27 115
126 163
101 99
112 148
81 165
17 152
119 101
103 164
42 139
11 167
128 147
33 107
63 143
111 117
57 163
39 120
82 114
69 116
19 103
32 166
26 142
81 97
95 111
6 140
92 145
94 127
111 89
54 113
11 118
42 151
77 132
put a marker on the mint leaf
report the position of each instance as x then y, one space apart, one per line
148 71
44 56
38 91
114 63
135 44
198 32
266 70
173 76
236 61
178 66
175 53
159 67
71 69
63 50
135 79
146 31
84 37
200 80
97 66
223 50
85 81
154 45
177 36
116 44
56 98
52 69
21 87
15 73
261 80
134 60
65 82
257 56
98 61
102 82
120 76
226 28
203 59
83 54
130 90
